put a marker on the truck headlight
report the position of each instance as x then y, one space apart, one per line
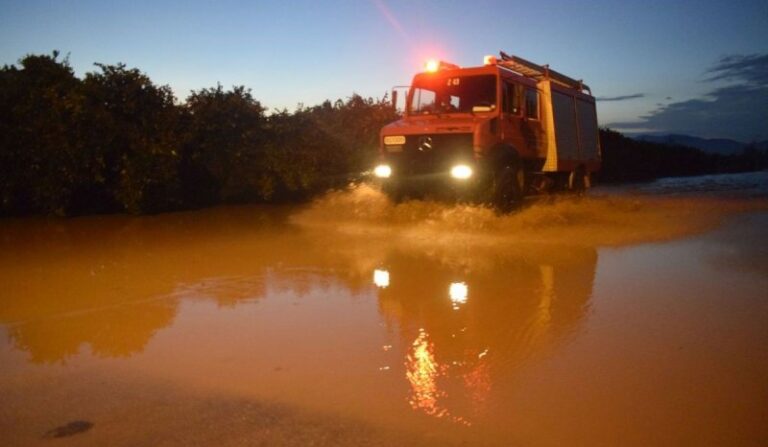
461 172
382 171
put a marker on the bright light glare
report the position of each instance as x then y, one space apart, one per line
489 60
382 171
461 172
381 278
432 65
458 293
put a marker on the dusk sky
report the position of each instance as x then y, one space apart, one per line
695 67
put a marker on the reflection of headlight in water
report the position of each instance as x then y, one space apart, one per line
458 293
423 371
381 278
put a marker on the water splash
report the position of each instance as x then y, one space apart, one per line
600 220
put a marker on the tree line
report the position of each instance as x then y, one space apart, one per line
114 141
629 160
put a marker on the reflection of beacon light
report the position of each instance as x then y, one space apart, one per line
461 172
382 171
381 278
458 293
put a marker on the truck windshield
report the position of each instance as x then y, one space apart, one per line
434 94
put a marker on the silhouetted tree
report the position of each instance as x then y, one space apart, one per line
128 133
323 147
39 156
223 136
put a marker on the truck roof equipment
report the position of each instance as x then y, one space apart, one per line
539 72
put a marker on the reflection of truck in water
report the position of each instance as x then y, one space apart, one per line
494 133
470 328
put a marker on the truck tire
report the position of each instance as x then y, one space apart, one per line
508 189
394 192
578 181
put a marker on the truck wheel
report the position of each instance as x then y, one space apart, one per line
578 181
509 187
394 192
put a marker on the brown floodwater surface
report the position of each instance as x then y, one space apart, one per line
619 319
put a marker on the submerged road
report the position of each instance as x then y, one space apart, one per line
636 316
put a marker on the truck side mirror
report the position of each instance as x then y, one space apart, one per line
394 99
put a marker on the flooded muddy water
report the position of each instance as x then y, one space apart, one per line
630 317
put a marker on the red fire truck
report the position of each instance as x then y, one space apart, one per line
493 133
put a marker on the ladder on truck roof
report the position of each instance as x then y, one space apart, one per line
539 72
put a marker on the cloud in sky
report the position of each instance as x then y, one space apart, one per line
750 68
620 98
738 110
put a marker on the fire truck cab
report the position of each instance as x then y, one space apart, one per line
495 133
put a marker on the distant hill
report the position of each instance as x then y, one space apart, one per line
722 146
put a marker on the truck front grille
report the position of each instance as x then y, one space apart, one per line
430 153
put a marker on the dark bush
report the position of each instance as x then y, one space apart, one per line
39 149
128 133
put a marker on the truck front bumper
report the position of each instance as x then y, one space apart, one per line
457 180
